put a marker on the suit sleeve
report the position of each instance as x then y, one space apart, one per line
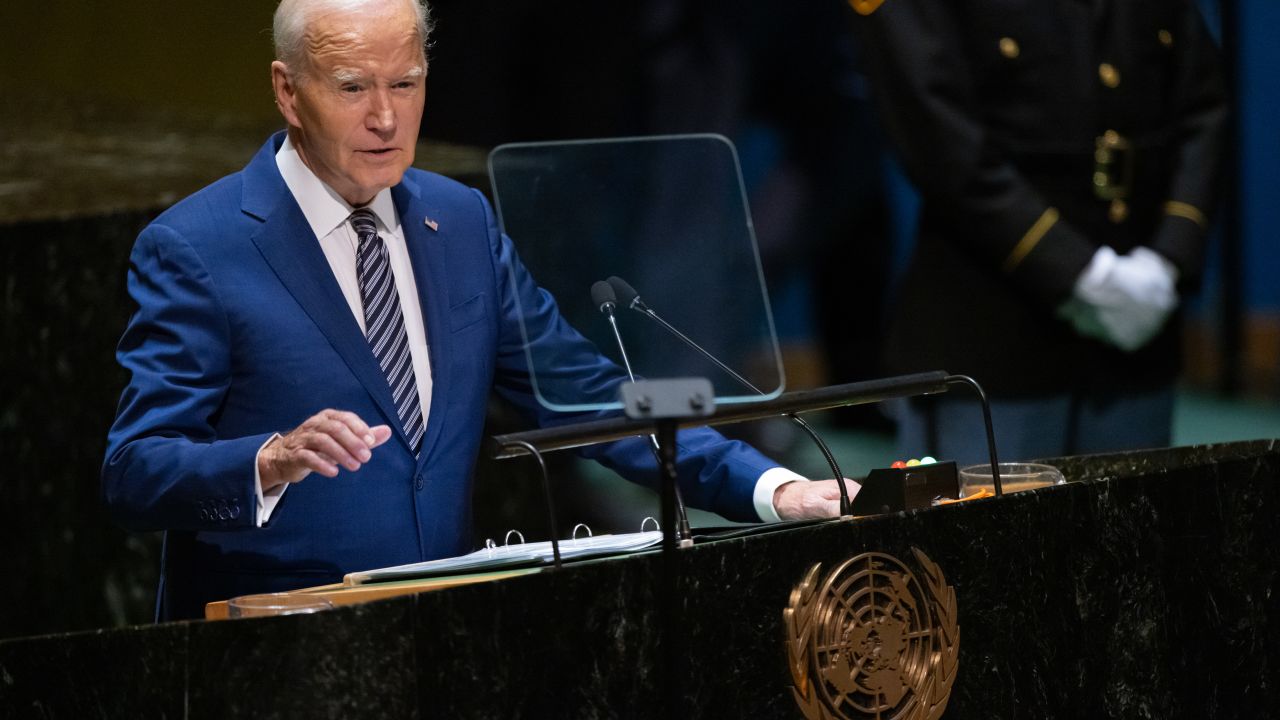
715 473
1202 113
165 467
924 88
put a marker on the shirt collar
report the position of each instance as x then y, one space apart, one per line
323 208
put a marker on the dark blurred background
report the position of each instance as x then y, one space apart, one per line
112 111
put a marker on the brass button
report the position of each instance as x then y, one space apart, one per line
1111 137
1166 38
1118 211
1009 48
1109 75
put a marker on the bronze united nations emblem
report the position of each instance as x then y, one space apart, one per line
873 640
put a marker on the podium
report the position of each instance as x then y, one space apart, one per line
1147 586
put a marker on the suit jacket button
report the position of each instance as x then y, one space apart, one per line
417 482
1009 48
1166 38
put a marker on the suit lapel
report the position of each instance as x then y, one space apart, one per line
428 251
293 252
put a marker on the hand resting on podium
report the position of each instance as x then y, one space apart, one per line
801 500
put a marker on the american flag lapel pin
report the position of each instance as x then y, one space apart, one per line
435 226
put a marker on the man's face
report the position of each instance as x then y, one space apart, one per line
354 117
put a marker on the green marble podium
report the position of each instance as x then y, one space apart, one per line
1146 587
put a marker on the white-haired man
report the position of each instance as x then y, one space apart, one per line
371 307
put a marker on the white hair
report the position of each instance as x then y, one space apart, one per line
289 28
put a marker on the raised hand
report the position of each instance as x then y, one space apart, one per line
324 442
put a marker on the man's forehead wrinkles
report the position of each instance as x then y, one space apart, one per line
320 42
347 46
321 34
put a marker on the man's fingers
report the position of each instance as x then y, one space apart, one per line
832 491
326 444
380 434
315 463
354 444
810 500
820 504
358 427
348 430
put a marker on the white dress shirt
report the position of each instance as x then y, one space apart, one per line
327 213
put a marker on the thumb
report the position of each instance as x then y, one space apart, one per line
381 434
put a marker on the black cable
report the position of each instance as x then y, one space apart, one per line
986 417
845 503
640 307
546 491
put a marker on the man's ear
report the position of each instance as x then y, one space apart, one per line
286 91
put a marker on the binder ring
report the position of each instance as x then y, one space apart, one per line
507 540
647 520
584 527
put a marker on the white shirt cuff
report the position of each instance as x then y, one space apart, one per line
768 483
267 501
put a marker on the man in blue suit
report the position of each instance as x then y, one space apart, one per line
371 307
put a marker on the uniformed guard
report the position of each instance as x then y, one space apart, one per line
1066 152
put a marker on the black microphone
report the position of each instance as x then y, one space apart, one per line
603 296
623 291
627 294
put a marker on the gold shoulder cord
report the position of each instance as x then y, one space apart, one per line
1187 211
1031 239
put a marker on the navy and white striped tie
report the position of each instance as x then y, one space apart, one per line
384 323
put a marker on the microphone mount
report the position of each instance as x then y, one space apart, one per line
629 297
663 447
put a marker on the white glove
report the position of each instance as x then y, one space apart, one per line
1123 299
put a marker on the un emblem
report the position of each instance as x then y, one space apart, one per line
871 640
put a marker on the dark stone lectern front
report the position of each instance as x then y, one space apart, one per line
1144 588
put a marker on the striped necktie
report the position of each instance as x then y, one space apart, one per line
384 323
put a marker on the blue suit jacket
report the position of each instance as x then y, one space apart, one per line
241 331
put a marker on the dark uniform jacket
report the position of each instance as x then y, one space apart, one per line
1038 131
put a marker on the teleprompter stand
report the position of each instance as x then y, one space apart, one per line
665 403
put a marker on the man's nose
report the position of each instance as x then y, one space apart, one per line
382 114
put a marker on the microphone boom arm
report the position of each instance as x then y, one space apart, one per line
639 306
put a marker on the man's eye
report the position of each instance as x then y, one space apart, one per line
350 88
